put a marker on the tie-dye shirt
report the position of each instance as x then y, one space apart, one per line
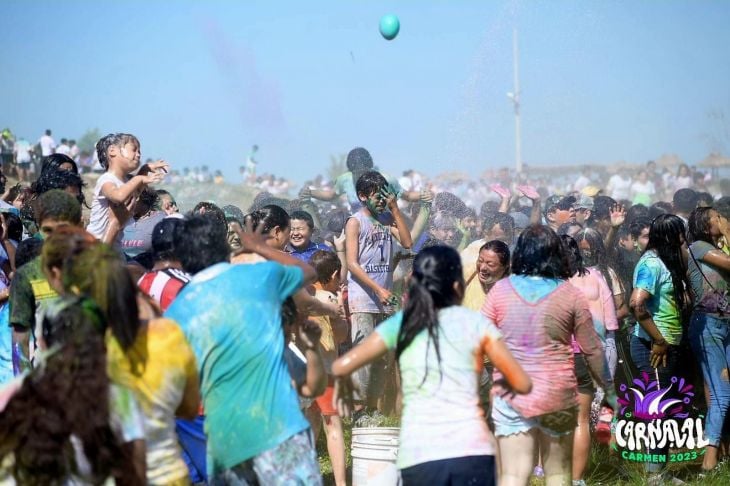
442 417
157 368
231 315
653 276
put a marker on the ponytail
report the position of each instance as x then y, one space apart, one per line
431 288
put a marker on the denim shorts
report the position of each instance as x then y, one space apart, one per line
508 421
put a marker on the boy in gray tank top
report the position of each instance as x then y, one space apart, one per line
370 237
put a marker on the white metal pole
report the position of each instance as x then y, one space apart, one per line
516 100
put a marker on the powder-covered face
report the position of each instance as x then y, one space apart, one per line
489 267
375 202
301 234
131 155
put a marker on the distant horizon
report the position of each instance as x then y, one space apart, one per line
199 84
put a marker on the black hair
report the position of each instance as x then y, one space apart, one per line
722 206
665 239
112 139
595 242
212 211
487 208
370 182
359 160
201 242
704 199
335 220
233 212
638 225
325 263
303 216
431 288
565 227
14 225
55 161
654 210
163 239
575 260
601 208
540 252
289 313
638 211
60 179
450 203
269 217
504 220
501 249
699 224
58 205
148 198
684 200
27 250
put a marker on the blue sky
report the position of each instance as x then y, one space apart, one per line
200 82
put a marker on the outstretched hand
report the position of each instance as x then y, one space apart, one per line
529 192
159 166
502 191
618 215
251 238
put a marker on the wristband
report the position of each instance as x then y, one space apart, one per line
659 342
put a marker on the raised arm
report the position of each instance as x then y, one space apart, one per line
402 233
252 240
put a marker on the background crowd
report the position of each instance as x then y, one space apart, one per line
206 342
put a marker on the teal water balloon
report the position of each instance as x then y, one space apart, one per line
389 26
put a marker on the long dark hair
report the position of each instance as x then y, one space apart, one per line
68 396
575 259
595 241
540 252
431 288
665 238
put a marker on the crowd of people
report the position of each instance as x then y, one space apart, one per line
212 346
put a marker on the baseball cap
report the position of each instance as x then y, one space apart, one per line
591 191
584 202
559 202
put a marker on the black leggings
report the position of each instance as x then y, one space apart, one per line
458 471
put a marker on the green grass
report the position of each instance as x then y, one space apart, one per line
605 466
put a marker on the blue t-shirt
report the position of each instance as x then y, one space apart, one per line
231 316
306 254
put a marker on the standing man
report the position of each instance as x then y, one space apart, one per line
231 316
48 145
7 151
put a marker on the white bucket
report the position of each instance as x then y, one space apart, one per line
374 452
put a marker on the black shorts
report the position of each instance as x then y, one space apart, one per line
583 376
470 470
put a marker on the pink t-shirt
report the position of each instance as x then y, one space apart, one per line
538 334
600 302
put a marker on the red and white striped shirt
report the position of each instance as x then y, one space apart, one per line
163 285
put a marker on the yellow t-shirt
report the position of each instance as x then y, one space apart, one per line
157 368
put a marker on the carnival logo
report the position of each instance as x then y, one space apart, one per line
652 417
